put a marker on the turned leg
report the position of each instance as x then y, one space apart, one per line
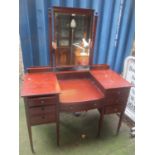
120 122
100 122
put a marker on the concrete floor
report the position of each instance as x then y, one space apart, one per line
71 142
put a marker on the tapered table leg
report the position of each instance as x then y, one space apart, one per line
58 134
100 122
120 122
30 137
28 125
58 125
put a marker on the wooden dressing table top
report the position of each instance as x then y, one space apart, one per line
110 79
79 90
46 83
40 84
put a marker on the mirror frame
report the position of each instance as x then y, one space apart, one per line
68 10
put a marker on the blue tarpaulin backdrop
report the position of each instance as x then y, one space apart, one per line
115 30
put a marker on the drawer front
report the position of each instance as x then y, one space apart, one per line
42 119
117 96
83 106
116 100
42 110
39 101
113 109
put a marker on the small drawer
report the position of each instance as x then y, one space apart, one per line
86 106
82 106
116 100
42 110
42 119
118 92
113 109
117 96
96 105
39 101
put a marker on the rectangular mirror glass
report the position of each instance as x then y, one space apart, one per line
72 36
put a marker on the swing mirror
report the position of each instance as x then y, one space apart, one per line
72 36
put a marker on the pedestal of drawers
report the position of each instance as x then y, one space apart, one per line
41 110
115 102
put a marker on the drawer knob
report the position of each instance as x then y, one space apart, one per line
42 101
115 109
95 104
43 108
43 117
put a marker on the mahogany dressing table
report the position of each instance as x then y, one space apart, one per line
50 90
47 94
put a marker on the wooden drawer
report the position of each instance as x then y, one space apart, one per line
42 119
117 96
82 106
42 110
113 109
116 100
39 101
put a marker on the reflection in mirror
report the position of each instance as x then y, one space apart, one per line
72 35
